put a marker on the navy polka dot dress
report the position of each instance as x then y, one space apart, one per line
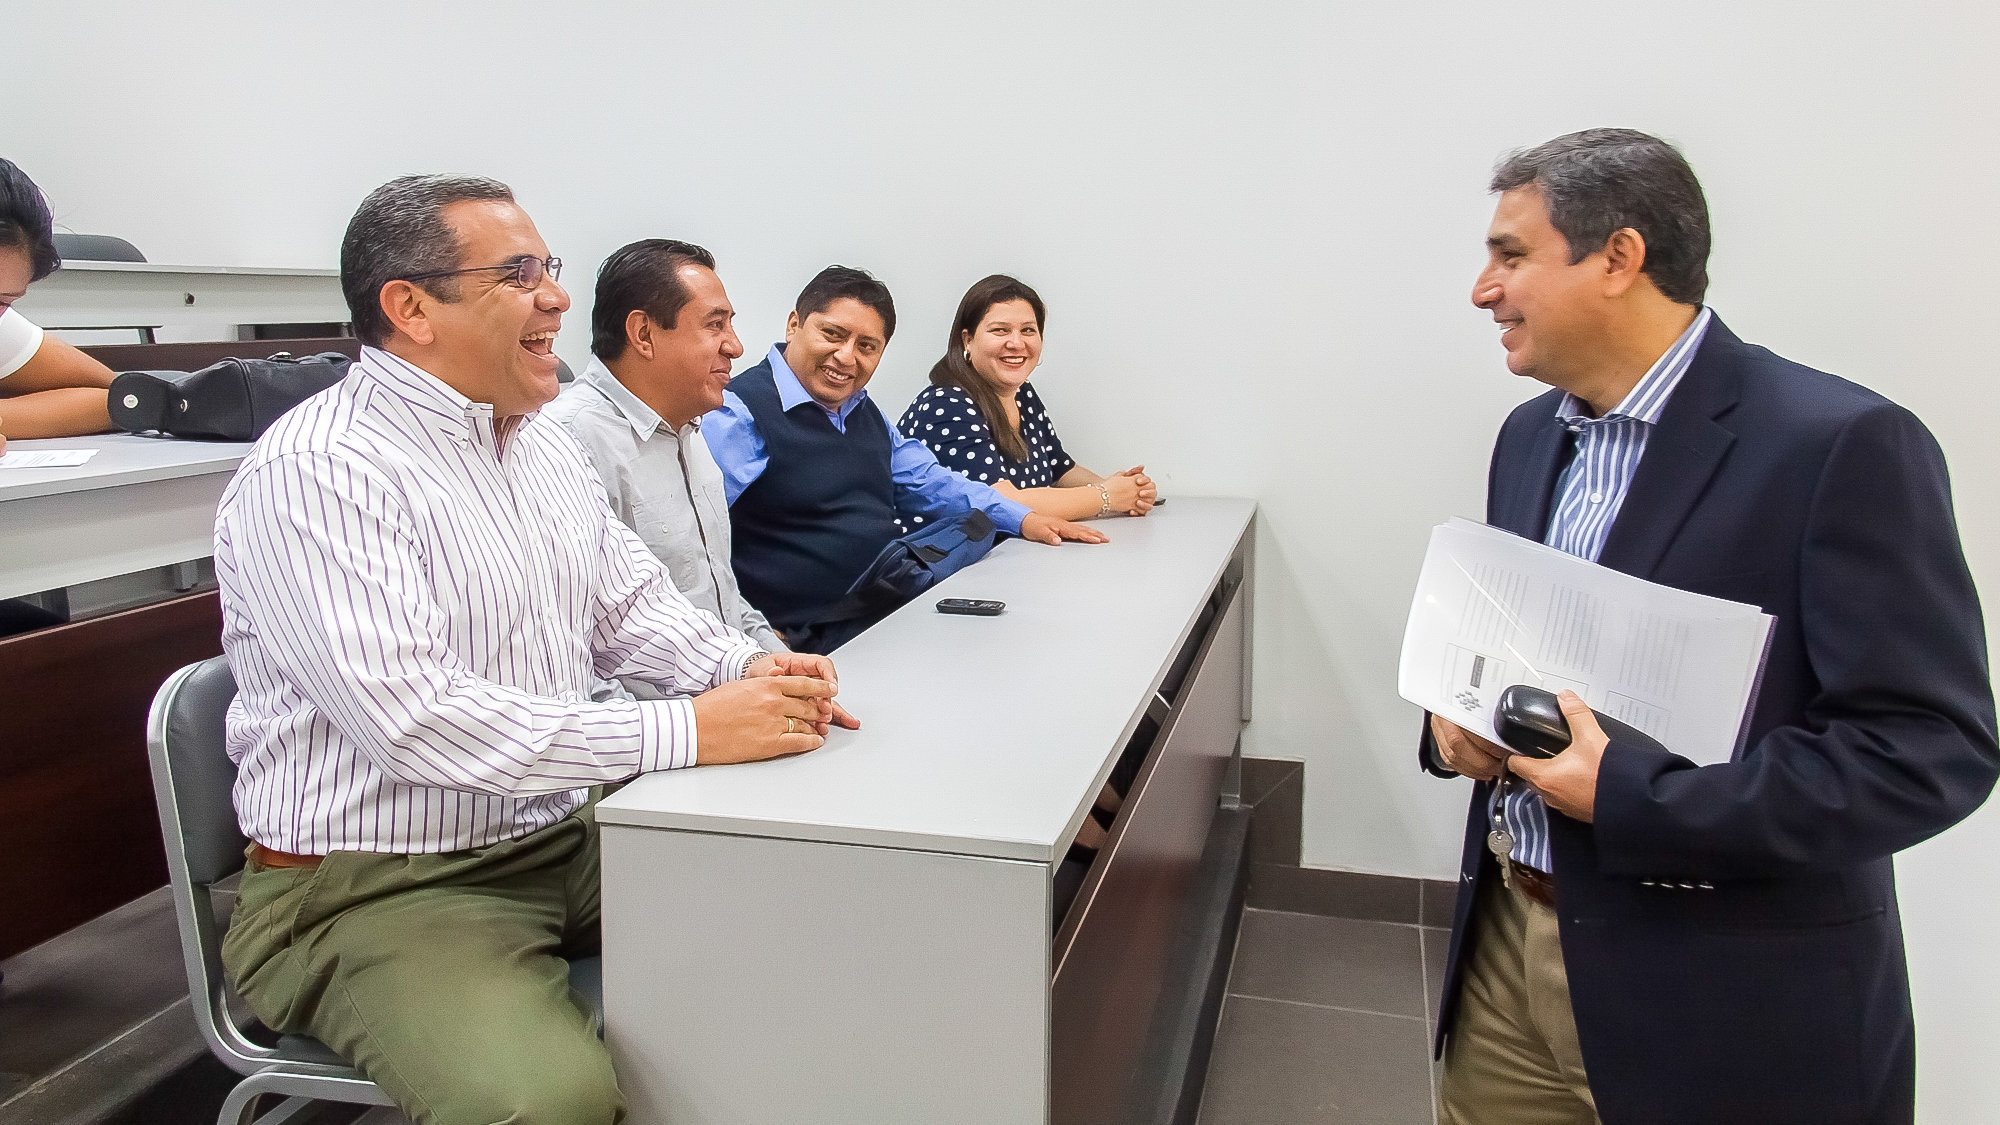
947 420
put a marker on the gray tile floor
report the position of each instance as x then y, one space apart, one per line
1326 1020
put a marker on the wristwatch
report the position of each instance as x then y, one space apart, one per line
744 672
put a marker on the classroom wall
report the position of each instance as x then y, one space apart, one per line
1256 226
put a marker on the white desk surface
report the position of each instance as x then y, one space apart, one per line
121 459
950 757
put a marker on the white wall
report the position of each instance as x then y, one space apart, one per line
1256 226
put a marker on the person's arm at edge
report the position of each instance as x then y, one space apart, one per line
58 392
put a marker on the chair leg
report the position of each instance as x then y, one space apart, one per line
240 1108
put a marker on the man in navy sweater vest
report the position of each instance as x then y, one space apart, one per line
816 475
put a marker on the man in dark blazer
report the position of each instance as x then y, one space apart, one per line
1666 942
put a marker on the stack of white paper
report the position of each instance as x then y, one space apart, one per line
44 458
1493 609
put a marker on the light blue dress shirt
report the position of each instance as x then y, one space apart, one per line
923 487
1588 495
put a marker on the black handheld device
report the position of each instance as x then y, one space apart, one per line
974 607
1530 721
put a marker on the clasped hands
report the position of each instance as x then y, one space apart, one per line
784 704
1132 491
1567 782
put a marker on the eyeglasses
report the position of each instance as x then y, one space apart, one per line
528 272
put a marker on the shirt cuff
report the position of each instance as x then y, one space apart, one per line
666 734
733 664
1008 514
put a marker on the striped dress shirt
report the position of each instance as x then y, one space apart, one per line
418 617
1588 495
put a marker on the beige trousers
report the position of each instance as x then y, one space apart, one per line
1513 1057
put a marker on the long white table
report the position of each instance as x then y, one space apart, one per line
153 294
141 502
865 933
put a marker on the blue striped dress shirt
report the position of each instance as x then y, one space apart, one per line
1588 495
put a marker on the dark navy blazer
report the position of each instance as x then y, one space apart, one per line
1778 992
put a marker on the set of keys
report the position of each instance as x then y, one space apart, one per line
1500 841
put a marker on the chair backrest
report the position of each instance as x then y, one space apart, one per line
96 248
192 780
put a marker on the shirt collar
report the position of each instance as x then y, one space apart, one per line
1644 402
438 406
644 420
791 392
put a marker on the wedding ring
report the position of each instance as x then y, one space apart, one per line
789 720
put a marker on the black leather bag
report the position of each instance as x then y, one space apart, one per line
902 570
234 400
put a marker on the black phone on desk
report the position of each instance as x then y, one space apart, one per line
971 607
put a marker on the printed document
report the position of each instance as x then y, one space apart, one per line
1493 609
44 458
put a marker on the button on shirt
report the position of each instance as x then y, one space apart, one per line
417 617
664 485
923 487
1588 495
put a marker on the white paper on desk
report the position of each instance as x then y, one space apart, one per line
45 458
1493 609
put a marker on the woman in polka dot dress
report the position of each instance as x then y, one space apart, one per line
981 418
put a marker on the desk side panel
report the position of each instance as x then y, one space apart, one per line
69 538
78 830
1135 905
752 980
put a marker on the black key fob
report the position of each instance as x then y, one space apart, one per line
975 607
1530 721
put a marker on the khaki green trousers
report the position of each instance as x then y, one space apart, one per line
1513 1056
439 976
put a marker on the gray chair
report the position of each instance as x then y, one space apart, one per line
192 779
95 248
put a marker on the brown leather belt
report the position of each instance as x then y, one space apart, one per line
272 857
1539 886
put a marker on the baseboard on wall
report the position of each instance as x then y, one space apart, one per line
1274 790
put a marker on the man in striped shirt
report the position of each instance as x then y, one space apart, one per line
424 600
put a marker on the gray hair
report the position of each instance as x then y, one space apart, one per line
398 232
1600 181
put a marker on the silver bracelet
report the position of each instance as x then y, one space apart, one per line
753 658
1103 509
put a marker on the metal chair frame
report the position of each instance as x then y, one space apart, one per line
199 829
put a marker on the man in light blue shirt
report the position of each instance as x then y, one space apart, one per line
816 476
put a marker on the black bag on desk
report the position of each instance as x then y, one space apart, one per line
905 568
234 400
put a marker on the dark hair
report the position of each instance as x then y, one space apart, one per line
955 368
25 221
400 231
834 282
1600 181
641 275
